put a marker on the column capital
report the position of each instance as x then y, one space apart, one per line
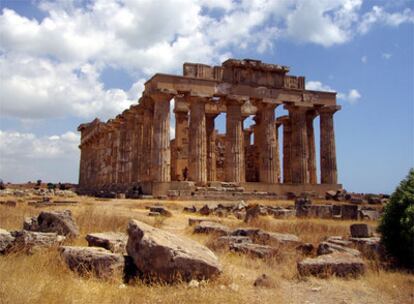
158 96
329 109
297 109
283 119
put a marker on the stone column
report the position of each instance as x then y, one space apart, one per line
147 142
181 143
234 155
138 155
211 147
299 153
310 116
278 173
161 154
198 141
268 144
287 151
329 173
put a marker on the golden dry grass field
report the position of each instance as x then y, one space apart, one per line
43 278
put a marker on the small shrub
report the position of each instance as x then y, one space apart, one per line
397 223
51 186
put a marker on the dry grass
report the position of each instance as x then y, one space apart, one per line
42 278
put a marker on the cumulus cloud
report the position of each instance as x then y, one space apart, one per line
25 156
33 87
351 97
378 15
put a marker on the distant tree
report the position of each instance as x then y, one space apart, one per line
38 182
62 186
51 186
2 187
397 223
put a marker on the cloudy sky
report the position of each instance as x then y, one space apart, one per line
66 62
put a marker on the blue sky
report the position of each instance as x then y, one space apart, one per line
65 62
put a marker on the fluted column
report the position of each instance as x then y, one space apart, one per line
329 173
211 148
181 143
147 142
310 116
234 154
268 145
161 154
138 147
287 151
278 172
198 141
299 153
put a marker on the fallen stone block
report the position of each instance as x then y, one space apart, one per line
339 264
360 231
6 241
349 212
161 210
112 241
267 238
195 221
305 249
264 281
371 247
255 250
8 203
372 215
93 260
328 248
211 227
192 209
31 241
60 222
228 240
167 257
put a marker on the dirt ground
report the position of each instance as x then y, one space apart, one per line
43 278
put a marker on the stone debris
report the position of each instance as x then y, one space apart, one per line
228 240
8 203
328 248
360 231
306 248
112 241
6 241
93 260
30 241
211 227
191 209
267 238
151 213
339 264
164 256
60 222
195 221
370 247
255 250
161 210
264 281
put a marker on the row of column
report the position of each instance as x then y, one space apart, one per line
136 146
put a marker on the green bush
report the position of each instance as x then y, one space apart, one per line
397 223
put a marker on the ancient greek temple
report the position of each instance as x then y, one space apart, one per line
134 150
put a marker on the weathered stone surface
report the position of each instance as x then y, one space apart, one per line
166 257
97 261
112 241
370 247
60 222
264 281
252 212
211 227
360 230
339 264
206 210
195 221
349 212
191 209
301 206
372 215
30 241
152 213
161 210
228 240
268 238
6 240
328 248
306 248
8 203
255 250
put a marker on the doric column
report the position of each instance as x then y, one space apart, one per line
161 154
310 116
329 173
234 154
181 143
198 140
299 153
211 147
278 173
138 149
147 141
268 144
287 151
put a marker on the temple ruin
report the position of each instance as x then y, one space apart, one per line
134 152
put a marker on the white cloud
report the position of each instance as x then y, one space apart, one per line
25 156
318 86
364 59
40 88
351 97
378 15
386 56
